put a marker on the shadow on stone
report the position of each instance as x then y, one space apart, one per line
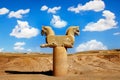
49 73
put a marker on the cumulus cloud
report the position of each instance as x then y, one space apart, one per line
18 46
102 24
54 9
50 10
19 13
1 49
91 45
58 22
24 30
44 8
95 5
4 11
117 33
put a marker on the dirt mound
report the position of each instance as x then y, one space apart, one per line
78 63
93 63
26 64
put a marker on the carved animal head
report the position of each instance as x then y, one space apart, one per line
43 31
74 30
46 30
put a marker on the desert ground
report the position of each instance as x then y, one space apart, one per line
90 65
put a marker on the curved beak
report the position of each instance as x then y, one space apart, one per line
77 32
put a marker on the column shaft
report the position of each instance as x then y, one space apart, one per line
59 61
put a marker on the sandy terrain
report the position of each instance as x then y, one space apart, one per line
91 65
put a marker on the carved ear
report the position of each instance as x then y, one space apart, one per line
43 27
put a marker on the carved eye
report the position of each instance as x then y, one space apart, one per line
75 29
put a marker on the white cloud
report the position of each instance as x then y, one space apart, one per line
58 22
1 49
3 11
54 9
18 14
18 46
44 8
50 10
102 24
29 50
117 33
24 30
91 45
95 5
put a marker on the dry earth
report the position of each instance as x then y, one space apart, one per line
91 65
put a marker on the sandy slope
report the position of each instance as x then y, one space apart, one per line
94 65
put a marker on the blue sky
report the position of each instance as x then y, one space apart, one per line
21 22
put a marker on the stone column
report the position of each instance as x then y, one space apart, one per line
59 44
59 61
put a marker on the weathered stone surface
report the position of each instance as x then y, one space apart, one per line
59 45
60 65
53 40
